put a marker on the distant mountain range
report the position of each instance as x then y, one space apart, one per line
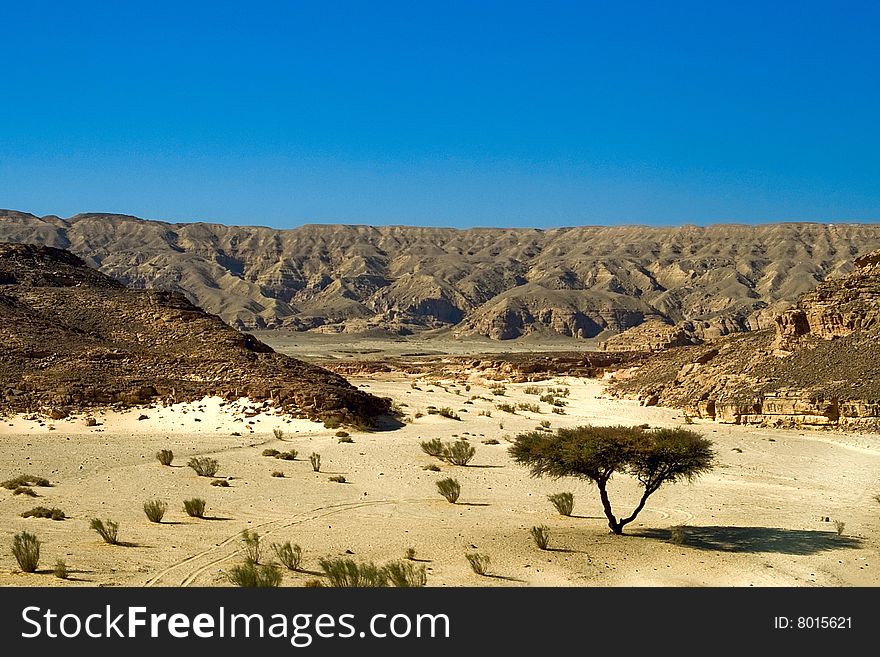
502 283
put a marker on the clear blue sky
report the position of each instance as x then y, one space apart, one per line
443 113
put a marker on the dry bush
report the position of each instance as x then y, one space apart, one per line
250 545
433 467
541 536
107 530
222 483
564 502
43 512
252 575
26 550
278 433
24 480
450 489
315 460
349 573
479 562
155 510
839 525
165 456
277 473
433 447
405 574
337 479
289 555
204 466
60 570
195 507
532 408
459 453
271 452
289 455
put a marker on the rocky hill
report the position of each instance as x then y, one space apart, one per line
819 365
503 283
71 336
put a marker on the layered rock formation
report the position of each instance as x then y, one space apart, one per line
503 283
71 336
819 367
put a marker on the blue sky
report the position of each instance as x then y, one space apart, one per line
443 113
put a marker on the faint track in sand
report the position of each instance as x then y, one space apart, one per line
185 572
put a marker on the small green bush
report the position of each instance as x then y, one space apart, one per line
315 460
289 555
60 570
507 408
250 545
165 456
533 408
24 490
448 412
26 549
204 466
558 411
564 503
541 536
533 390
195 507
289 455
405 574
278 433
277 473
155 510
337 479
349 573
433 447
545 424
43 512
450 489
498 390
107 530
411 553
491 441
252 575
479 562
459 453
25 480
433 467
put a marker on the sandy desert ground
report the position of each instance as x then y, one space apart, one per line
758 519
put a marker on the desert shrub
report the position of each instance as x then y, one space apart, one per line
688 419
204 466
558 410
107 530
289 555
507 408
222 483
313 584
405 574
195 507
411 553
479 562
564 392
43 512
346 439
25 480
418 414
677 535
459 453
552 400
289 455
252 575
545 424
165 456
490 441
250 545
277 473
155 510
533 390
432 467
271 452
450 489
433 410
60 570
596 453
564 503
541 536
337 479
25 490
485 413
342 434
26 550
433 447
533 408
315 460
498 390
332 423
349 573
448 412
278 433
839 525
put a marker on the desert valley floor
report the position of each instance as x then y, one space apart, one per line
765 516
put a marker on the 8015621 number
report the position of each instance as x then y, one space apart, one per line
824 622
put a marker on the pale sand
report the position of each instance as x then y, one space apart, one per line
757 519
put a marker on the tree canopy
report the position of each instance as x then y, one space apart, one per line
596 453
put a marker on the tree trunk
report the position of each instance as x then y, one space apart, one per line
615 526
626 521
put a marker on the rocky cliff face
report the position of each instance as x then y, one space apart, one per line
72 337
820 366
503 283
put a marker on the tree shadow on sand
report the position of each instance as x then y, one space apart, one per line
756 539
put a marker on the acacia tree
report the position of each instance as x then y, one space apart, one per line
653 457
